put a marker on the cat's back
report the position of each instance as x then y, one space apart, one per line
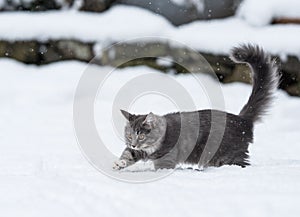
231 133
209 117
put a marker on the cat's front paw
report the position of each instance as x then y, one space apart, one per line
119 164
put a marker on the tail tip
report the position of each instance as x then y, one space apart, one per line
249 53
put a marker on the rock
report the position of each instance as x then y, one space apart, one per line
293 90
126 52
291 65
241 73
34 5
95 5
65 50
146 53
221 65
24 51
180 12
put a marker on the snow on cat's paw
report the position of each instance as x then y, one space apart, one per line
119 164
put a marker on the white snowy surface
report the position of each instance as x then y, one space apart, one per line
125 23
43 172
260 13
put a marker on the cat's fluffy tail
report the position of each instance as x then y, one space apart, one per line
265 79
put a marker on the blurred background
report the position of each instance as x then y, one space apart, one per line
40 32
47 45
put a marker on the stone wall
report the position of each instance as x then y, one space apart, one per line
39 53
176 11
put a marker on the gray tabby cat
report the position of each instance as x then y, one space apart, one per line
182 137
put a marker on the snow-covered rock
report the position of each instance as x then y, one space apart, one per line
261 13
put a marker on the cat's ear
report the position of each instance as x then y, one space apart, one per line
126 114
150 119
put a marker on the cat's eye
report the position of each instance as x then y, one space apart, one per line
141 137
129 137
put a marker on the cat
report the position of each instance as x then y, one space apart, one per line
205 137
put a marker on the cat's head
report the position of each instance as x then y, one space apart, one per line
144 132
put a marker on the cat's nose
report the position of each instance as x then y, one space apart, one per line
133 146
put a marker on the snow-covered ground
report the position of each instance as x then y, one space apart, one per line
260 13
127 22
43 172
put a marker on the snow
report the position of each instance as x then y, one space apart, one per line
113 24
178 2
43 172
260 13
166 61
198 4
219 36
124 23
